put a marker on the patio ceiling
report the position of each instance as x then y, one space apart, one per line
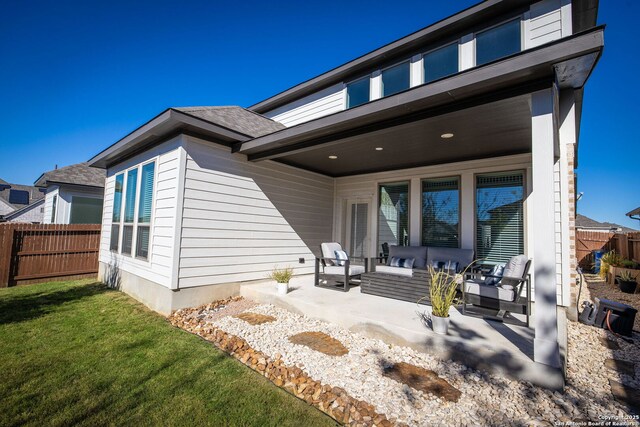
490 130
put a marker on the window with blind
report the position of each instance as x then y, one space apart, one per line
117 212
144 210
441 212
393 214
135 218
129 211
499 216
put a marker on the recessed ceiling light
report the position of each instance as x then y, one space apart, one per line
379 148
446 135
333 157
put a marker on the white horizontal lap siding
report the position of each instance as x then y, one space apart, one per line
316 105
545 23
241 219
48 204
158 267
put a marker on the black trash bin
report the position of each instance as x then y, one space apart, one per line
621 318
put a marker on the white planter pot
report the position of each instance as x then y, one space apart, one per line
440 325
283 288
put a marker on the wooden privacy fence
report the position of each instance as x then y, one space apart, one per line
625 244
32 253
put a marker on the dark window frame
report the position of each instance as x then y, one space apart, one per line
379 205
458 178
522 172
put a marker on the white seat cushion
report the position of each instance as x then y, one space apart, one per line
354 270
477 287
398 271
329 251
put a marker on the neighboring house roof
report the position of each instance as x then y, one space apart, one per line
587 223
78 174
235 118
18 212
5 193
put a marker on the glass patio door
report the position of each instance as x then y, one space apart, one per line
357 228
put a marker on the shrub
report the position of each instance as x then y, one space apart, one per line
281 275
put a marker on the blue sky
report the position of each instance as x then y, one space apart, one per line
76 76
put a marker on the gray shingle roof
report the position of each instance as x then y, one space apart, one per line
634 212
34 193
78 174
586 222
235 118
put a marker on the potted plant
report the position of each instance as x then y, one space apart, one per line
443 294
282 276
627 282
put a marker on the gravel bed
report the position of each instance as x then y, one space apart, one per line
485 400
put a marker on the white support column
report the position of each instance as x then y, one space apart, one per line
375 89
467 52
545 347
416 71
467 211
415 212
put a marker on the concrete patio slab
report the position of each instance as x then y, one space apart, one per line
482 344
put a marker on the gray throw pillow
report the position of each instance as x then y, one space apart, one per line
514 268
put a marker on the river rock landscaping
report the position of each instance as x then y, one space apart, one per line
372 383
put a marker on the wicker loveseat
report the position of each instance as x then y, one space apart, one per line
410 284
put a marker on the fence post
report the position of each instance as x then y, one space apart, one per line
6 245
623 244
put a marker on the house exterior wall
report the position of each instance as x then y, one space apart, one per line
64 200
5 208
32 215
52 191
241 219
158 268
544 22
319 104
364 189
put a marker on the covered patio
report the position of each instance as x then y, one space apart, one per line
507 130
486 345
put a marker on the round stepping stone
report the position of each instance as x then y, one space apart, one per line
319 341
255 318
422 379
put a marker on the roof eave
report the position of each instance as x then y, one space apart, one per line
466 18
469 83
156 130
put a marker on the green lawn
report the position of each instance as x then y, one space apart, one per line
78 353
